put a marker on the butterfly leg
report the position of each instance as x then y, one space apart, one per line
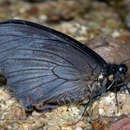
39 107
125 86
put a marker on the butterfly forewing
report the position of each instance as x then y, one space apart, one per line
44 65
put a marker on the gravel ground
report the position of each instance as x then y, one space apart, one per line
95 25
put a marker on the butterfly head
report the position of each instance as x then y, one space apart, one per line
116 74
120 69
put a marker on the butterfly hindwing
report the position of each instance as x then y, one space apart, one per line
44 65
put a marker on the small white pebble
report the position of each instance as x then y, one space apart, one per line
78 128
43 17
101 111
108 99
115 34
16 17
83 28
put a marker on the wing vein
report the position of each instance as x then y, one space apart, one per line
27 69
36 77
35 87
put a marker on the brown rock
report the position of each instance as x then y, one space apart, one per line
81 124
33 10
113 123
53 128
67 128
122 124
125 38
101 124
112 50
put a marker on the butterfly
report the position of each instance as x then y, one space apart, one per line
46 68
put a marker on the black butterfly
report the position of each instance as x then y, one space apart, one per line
44 66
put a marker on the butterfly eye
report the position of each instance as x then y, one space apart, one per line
123 68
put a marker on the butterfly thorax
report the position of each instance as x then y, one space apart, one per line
110 79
